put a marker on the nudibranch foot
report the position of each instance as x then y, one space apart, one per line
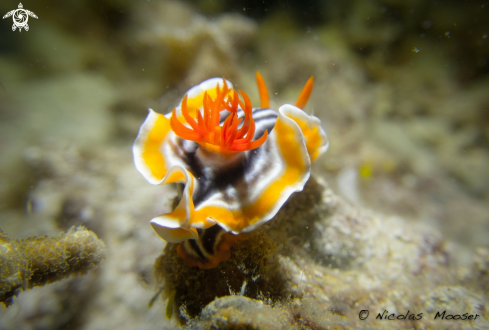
212 247
239 164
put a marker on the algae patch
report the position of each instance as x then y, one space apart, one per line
254 269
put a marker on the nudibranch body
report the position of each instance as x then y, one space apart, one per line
239 164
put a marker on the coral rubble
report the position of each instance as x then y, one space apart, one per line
37 261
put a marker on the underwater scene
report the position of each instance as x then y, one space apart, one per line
275 164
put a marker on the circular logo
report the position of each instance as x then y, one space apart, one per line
20 17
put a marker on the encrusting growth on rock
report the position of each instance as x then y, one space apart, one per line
40 260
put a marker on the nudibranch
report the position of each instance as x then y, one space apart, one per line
238 164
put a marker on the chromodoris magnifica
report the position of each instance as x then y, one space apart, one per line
238 164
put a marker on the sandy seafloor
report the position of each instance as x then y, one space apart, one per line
399 214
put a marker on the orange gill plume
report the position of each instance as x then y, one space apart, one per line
206 130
